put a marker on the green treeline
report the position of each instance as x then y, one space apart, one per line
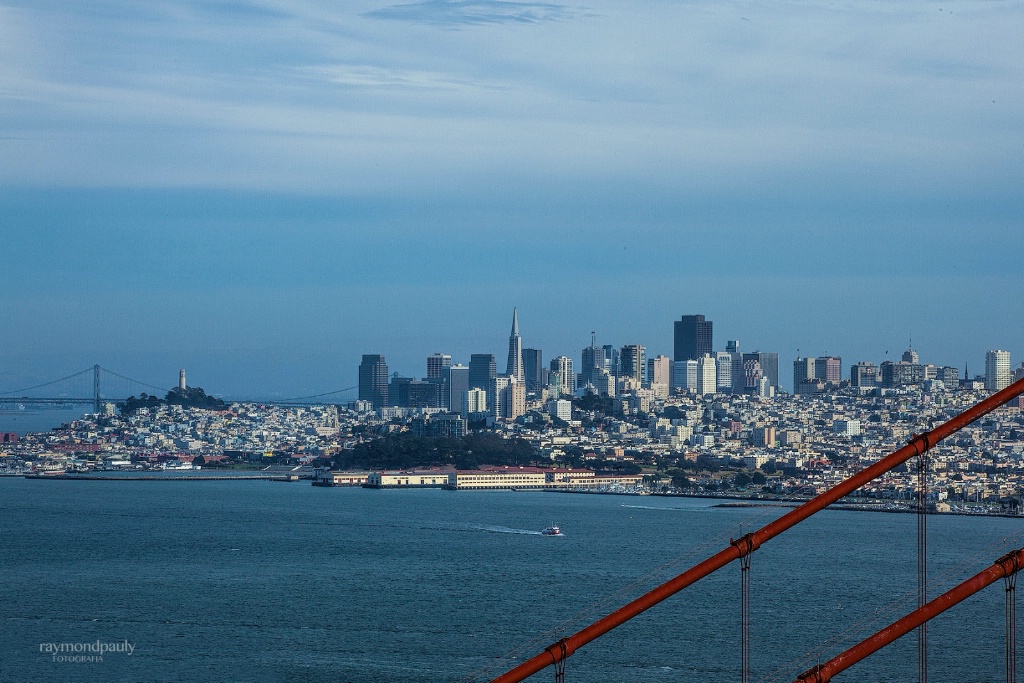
192 397
406 450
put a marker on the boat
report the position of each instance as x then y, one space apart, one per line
551 531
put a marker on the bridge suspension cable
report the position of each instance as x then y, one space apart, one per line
134 381
328 393
917 446
1005 566
46 384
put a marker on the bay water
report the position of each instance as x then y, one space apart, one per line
270 581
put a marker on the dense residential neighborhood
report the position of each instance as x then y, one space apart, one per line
718 444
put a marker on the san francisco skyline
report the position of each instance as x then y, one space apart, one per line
263 191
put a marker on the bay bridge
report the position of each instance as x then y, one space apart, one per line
85 388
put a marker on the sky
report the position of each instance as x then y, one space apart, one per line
262 191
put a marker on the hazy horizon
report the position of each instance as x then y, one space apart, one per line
262 191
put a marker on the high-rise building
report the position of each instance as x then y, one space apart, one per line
373 380
997 369
769 362
533 367
692 337
723 366
562 366
514 367
659 370
632 362
738 384
829 368
707 374
864 374
593 361
474 401
803 370
509 397
482 370
455 384
611 360
910 355
435 363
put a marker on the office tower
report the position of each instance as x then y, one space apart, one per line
509 397
611 360
562 366
435 363
632 362
373 380
864 374
803 370
732 347
910 355
692 337
997 369
753 373
949 376
829 369
901 374
707 374
514 367
474 401
482 370
455 384
723 365
593 361
533 367
690 374
659 370
416 393
769 363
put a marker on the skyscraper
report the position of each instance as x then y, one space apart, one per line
373 380
769 365
514 368
803 369
997 369
692 337
533 366
659 370
435 363
455 385
632 362
829 368
707 374
482 370
593 361
562 366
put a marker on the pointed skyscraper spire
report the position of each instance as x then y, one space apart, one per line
515 351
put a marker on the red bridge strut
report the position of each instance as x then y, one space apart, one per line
740 547
1005 566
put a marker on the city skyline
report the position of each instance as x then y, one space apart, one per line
417 363
263 191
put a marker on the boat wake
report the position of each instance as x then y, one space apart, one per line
501 530
652 507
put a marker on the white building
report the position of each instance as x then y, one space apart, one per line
997 370
474 401
707 375
561 409
562 366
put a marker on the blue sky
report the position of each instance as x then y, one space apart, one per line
262 191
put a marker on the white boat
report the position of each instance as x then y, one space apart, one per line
551 531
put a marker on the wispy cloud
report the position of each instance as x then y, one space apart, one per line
377 77
456 12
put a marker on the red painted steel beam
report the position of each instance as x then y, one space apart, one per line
1003 567
752 541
